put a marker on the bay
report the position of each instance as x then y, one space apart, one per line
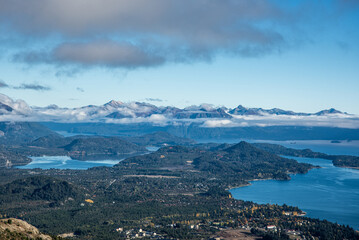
328 192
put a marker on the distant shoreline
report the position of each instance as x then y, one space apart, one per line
249 184
356 168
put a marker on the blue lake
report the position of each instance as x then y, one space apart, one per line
329 192
65 162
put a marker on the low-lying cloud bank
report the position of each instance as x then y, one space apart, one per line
274 120
205 115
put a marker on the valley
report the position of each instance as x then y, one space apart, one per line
176 192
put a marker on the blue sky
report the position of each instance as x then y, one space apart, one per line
297 55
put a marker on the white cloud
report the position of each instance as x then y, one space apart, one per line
217 123
143 33
135 112
330 120
19 106
97 53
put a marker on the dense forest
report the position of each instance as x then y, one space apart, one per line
176 192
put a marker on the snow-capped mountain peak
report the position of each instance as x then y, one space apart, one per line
114 104
133 112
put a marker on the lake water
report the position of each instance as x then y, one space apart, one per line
329 192
65 162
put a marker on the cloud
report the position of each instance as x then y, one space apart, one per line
218 123
33 86
98 53
154 100
24 86
136 33
3 84
134 111
19 106
170 18
335 120
149 33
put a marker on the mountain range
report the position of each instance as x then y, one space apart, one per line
117 110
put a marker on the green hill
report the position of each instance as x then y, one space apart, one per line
9 158
17 133
37 188
240 162
83 148
248 162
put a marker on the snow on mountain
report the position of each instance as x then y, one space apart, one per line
135 112
12 107
328 112
240 110
114 104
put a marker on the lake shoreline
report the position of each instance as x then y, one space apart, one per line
66 162
254 180
356 168
265 179
306 191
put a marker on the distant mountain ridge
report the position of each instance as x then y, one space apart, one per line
117 110
202 111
